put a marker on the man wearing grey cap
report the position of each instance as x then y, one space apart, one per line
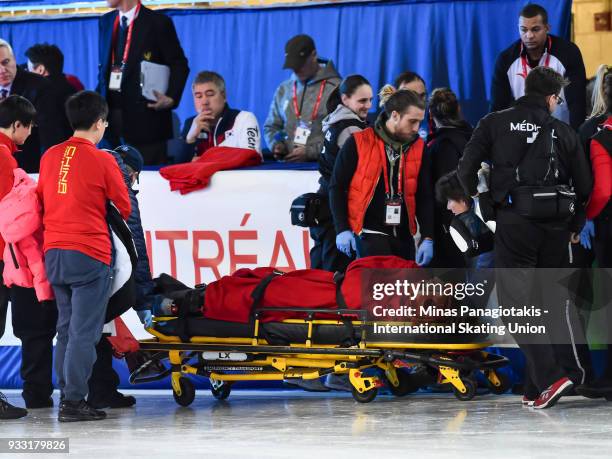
293 126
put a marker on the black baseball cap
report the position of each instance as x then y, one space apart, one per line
297 51
131 157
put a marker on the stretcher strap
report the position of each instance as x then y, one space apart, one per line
259 291
339 279
348 324
182 323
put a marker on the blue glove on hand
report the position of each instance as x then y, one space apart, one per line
345 241
587 234
425 252
146 317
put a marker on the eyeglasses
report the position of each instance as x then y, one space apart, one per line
560 100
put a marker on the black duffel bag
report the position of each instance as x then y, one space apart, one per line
310 209
544 202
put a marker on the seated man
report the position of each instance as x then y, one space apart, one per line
216 124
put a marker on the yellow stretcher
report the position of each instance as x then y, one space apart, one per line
225 360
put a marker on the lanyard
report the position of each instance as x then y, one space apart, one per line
524 58
128 40
400 183
297 109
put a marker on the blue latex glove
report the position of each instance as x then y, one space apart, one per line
587 234
146 317
345 241
425 252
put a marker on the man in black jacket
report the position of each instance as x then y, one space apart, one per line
47 131
48 61
128 36
504 139
538 47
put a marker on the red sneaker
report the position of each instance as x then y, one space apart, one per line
553 393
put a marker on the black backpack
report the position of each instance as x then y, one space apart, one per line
541 193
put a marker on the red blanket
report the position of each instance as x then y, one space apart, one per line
189 177
230 298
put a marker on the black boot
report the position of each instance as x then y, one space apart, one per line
114 400
8 411
70 411
597 389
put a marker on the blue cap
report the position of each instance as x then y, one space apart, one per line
131 157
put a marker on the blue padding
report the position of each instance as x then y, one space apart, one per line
10 357
450 44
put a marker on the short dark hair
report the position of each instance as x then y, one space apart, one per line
443 105
449 187
347 87
16 108
544 81
532 10
48 55
207 76
85 108
392 100
408 77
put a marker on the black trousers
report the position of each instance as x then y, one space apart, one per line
602 246
371 244
582 260
34 324
524 245
324 254
104 380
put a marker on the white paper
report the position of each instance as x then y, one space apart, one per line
153 77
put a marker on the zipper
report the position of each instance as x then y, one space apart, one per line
370 201
13 256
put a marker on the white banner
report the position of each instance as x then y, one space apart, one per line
240 221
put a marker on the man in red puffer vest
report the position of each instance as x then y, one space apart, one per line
381 184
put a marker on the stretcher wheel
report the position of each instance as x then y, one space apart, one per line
364 397
470 385
221 392
187 392
504 384
406 384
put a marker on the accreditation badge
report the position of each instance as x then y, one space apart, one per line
393 212
116 75
302 132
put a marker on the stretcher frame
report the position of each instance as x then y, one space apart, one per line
254 359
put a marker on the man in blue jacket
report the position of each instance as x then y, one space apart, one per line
104 380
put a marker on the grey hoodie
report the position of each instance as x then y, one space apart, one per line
341 113
281 122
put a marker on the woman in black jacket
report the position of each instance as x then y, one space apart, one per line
348 108
445 146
